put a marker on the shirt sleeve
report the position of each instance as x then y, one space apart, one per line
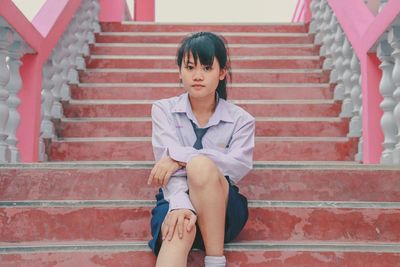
163 138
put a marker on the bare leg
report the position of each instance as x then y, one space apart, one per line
174 253
208 191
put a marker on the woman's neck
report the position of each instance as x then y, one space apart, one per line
203 109
203 105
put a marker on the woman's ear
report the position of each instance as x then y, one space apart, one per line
222 74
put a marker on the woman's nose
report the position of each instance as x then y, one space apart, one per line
198 74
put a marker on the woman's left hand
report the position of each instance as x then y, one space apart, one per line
162 171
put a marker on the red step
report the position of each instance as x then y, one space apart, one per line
234 49
169 63
128 181
174 38
138 27
138 127
275 149
171 76
292 255
124 222
235 91
259 109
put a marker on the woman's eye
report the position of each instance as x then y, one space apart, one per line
189 67
207 68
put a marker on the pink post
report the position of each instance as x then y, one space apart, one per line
144 10
372 113
29 128
112 10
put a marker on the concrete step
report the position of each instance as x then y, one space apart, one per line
258 108
136 254
171 76
139 148
160 49
291 181
140 127
147 91
168 62
128 26
231 37
125 220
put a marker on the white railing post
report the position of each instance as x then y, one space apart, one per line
6 40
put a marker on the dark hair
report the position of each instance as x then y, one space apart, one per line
206 46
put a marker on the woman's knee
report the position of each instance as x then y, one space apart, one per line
201 171
187 237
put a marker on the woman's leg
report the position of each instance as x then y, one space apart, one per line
208 191
174 253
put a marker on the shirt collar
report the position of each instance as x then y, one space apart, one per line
220 114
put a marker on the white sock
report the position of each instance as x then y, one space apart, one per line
215 261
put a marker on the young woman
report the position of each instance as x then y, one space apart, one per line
203 145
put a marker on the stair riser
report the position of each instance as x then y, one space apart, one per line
230 39
117 27
259 184
236 64
196 259
172 77
257 110
263 128
153 93
277 150
129 223
237 51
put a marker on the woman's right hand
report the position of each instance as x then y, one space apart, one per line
175 221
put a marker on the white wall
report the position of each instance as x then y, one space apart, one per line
250 11
29 8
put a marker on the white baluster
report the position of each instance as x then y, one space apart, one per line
330 41
356 122
337 73
321 20
47 127
387 88
6 39
394 40
382 4
325 31
17 49
347 105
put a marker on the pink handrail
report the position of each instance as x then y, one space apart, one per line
363 31
42 36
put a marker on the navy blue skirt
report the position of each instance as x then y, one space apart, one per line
236 217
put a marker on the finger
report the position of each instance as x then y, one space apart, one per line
167 176
157 176
161 177
165 228
192 221
181 220
151 176
171 228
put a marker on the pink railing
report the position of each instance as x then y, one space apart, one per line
363 30
42 35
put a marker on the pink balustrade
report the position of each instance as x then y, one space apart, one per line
42 35
363 30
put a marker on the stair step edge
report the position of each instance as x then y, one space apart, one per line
151 203
238 246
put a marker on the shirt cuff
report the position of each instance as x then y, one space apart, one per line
181 154
180 201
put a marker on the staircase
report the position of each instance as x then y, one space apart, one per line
311 205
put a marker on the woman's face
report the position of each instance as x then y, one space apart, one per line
198 80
